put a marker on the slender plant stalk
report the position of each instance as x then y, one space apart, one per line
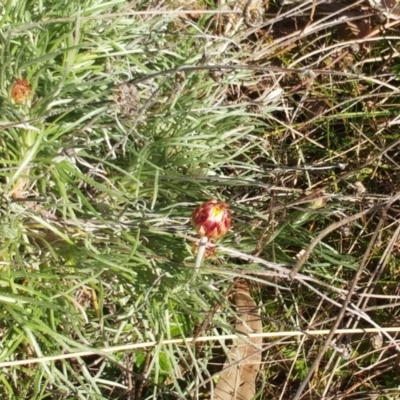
200 252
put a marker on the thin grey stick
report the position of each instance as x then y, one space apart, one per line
327 231
233 67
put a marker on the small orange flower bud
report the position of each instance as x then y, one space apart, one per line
212 219
211 251
21 91
318 198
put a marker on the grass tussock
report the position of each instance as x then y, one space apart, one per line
118 119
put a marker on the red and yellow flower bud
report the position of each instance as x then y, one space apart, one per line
21 91
212 219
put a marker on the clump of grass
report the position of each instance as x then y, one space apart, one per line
103 166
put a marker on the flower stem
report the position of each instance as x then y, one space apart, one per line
200 252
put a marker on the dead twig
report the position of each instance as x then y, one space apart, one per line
329 230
